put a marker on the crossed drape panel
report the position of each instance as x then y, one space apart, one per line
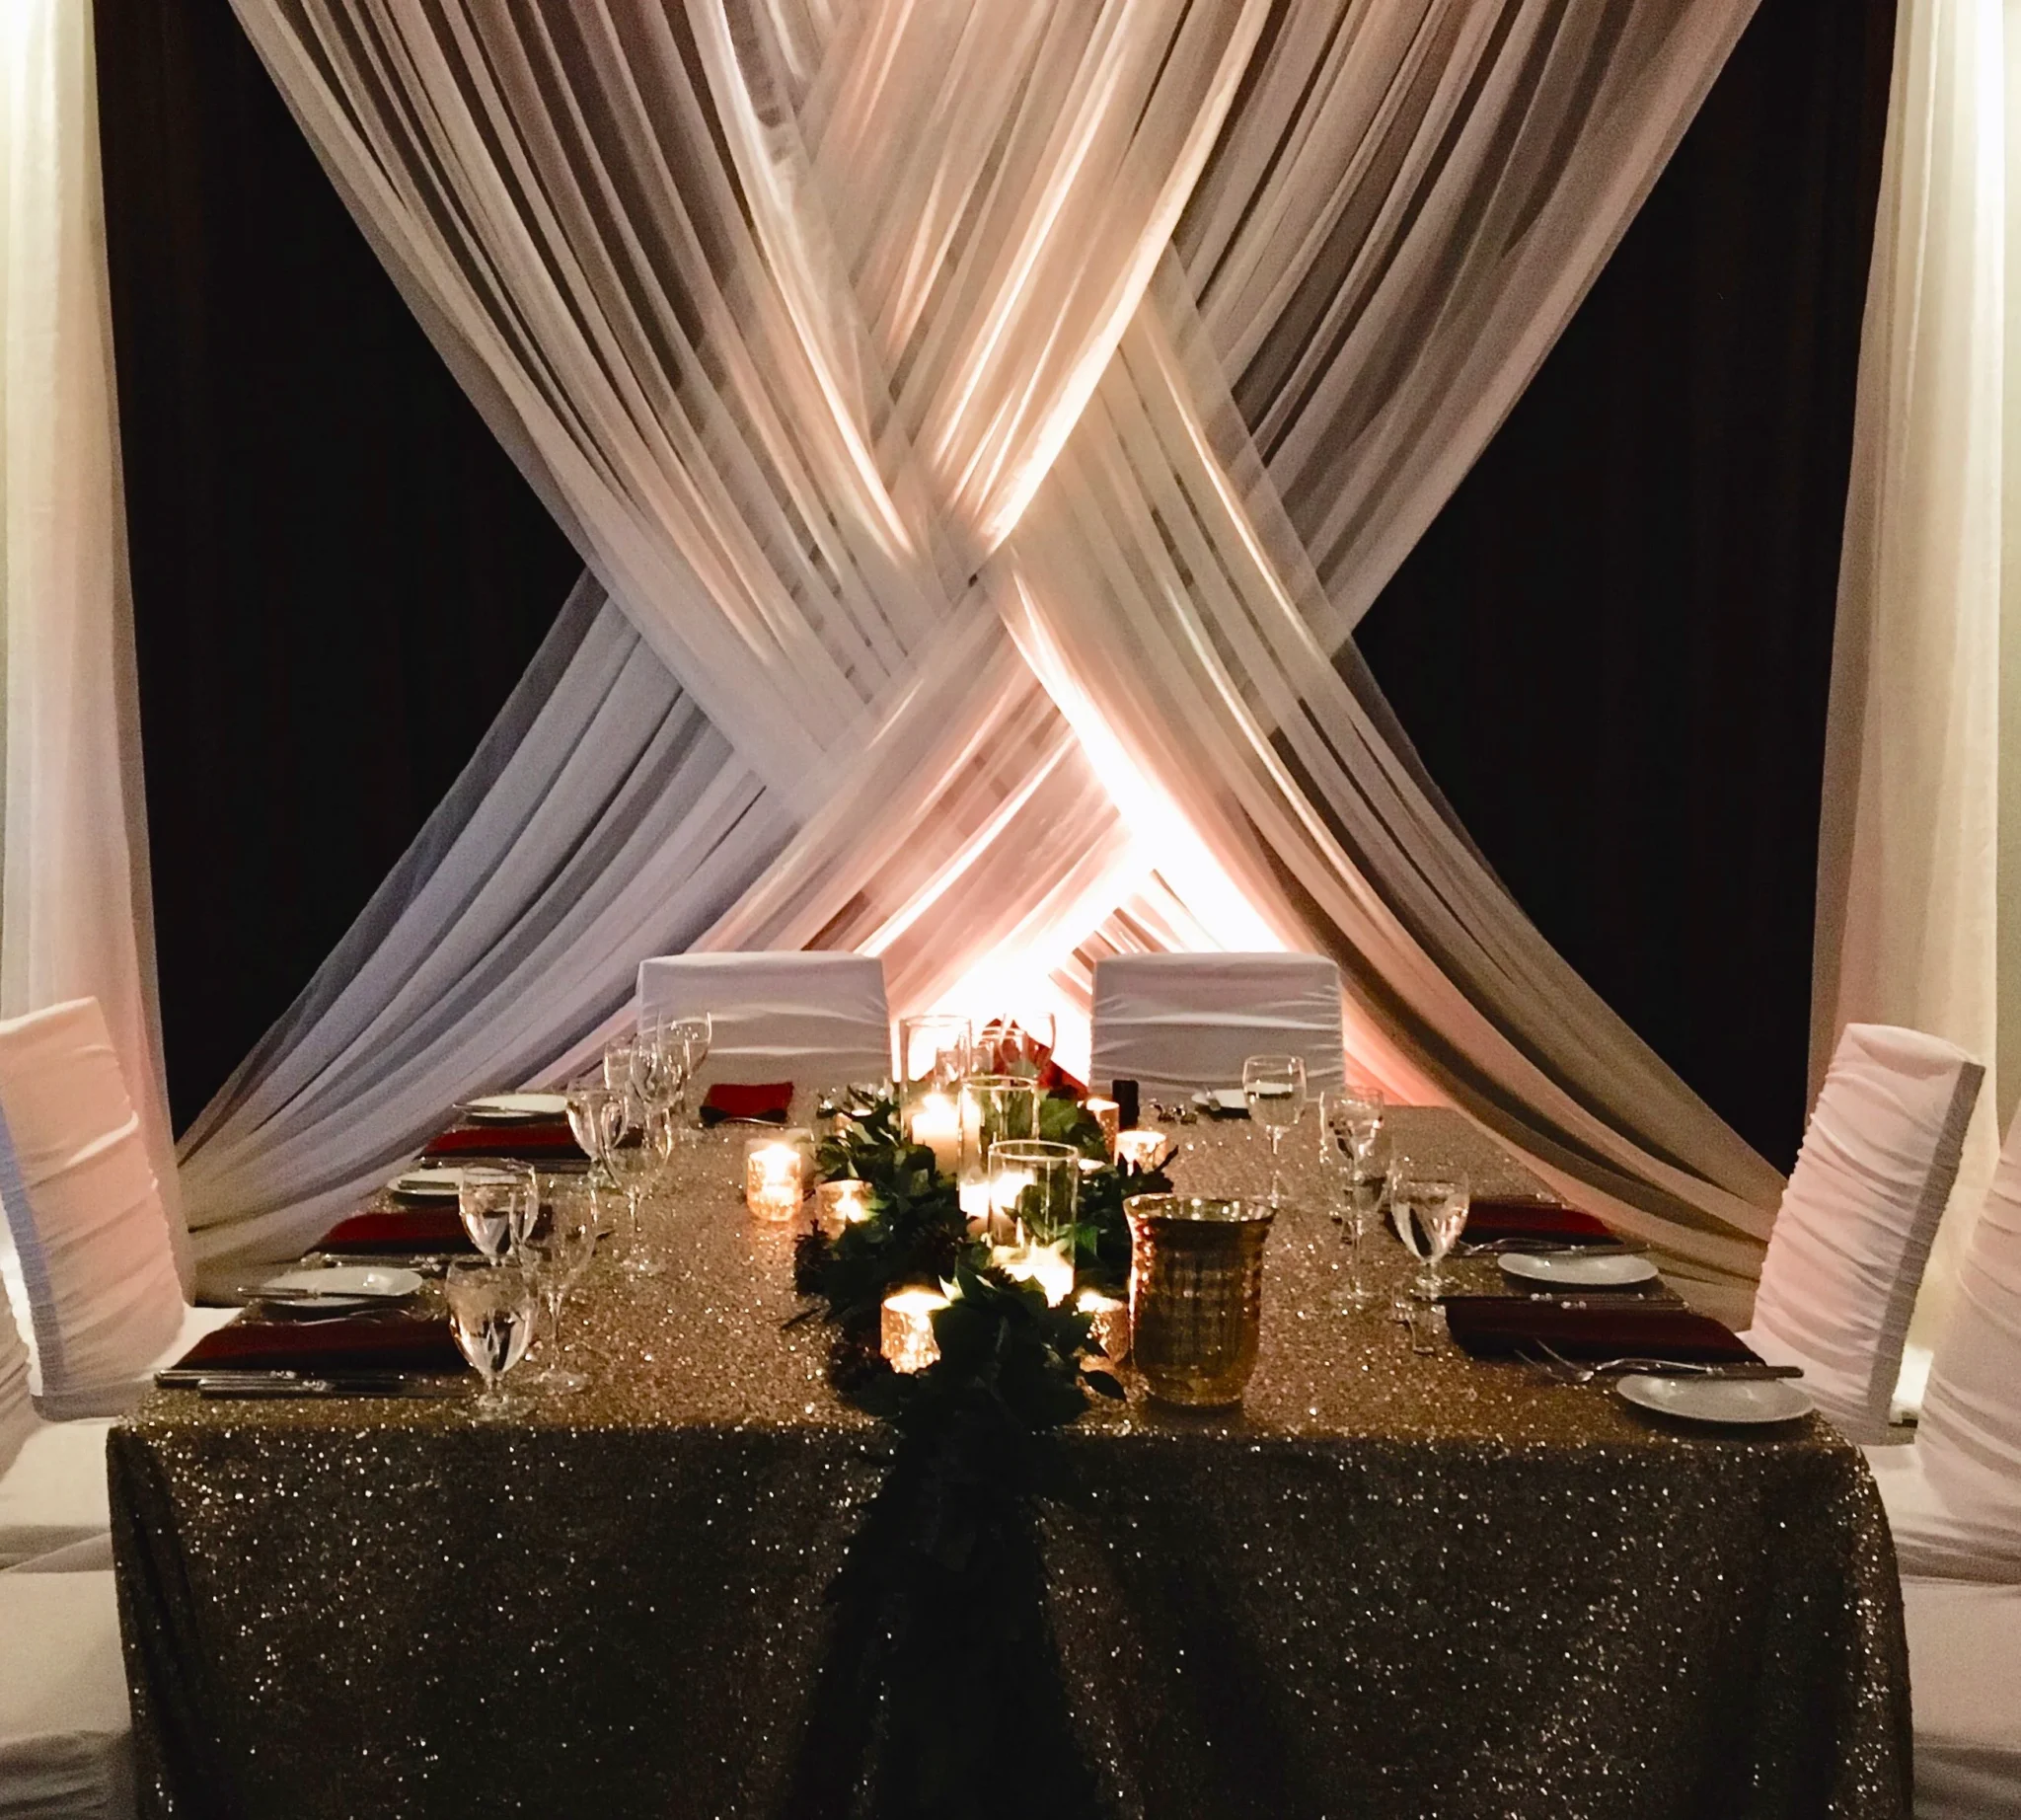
809 324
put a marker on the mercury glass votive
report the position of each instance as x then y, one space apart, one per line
1142 1150
1196 1294
1111 1322
905 1333
1109 1115
773 1174
841 1203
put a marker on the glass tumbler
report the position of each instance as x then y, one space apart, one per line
1196 1294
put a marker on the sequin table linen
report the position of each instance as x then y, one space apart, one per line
1390 1584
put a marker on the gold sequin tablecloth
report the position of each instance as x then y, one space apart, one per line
1394 1584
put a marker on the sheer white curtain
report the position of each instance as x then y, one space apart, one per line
1919 821
808 324
75 916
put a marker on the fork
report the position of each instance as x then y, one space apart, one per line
1568 1371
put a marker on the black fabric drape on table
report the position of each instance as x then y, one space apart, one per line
1611 649
337 574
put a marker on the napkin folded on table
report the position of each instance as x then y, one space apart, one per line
1498 1326
532 1140
406 1229
768 1100
1494 1217
404 1344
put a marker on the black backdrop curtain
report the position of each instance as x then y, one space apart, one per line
1611 649
337 574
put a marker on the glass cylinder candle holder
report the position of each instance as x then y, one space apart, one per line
935 1121
774 1174
1034 1188
1047 1266
1111 1316
1109 1116
995 1108
905 1333
1196 1294
934 1053
841 1202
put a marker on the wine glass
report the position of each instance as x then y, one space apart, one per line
1351 1123
1428 1205
688 1039
1356 1181
493 1201
592 1111
1010 1046
621 1064
491 1315
1275 1088
634 1161
557 1253
662 1069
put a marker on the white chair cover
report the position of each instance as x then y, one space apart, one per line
67 1730
815 1020
1849 1243
54 1496
1186 1023
85 1214
1965 1678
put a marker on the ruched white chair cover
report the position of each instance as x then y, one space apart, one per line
1854 1229
1185 1022
52 1475
83 1213
66 1729
817 1019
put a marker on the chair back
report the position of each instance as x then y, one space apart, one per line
17 1417
1185 1022
84 1210
1853 1233
815 1020
1970 1432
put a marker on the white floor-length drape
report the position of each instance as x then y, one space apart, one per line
75 915
1911 927
823 331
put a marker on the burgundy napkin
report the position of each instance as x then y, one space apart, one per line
770 1100
1493 1218
1495 1326
533 1140
328 1345
407 1229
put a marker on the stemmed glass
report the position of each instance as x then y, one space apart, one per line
1009 1047
497 1204
685 1043
636 1155
491 1315
557 1252
1349 1138
592 1117
1275 1088
1428 1205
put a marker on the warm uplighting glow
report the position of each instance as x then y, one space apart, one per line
938 1125
771 1180
905 1334
1140 1149
1047 1266
842 1203
1111 1322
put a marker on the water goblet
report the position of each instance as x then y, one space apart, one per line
687 1041
1275 1088
1428 1205
635 1162
491 1315
620 1062
493 1200
1351 1122
557 1253
592 1111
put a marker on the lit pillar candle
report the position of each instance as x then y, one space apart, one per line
1111 1322
1109 1116
841 1202
1047 1266
906 1334
771 1180
938 1125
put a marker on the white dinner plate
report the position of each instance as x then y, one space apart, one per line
1723 1402
500 1107
349 1282
1608 1270
430 1185
1223 1101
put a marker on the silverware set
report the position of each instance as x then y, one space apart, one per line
1573 1371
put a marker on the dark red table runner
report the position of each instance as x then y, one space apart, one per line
1493 1218
404 1345
1498 1326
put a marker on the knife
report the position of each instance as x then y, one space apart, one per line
248 1387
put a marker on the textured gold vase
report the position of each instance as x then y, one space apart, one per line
1196 1294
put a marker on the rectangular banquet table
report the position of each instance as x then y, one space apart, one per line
1392 1584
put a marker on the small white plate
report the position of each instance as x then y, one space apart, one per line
1727 1403
1608 1270
430 1185
349 1282
1222 1102
503 1107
